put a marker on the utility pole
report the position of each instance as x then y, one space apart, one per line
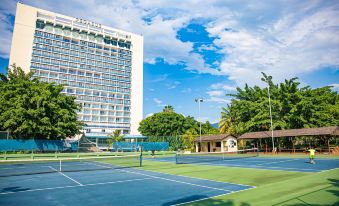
199 100
269 102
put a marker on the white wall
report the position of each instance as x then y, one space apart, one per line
137 82
23 35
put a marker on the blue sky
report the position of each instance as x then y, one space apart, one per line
197 48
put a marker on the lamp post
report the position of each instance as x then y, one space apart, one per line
269 102
199 100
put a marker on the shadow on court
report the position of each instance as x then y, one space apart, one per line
13 189
335 191
215 202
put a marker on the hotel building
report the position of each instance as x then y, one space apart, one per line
99 65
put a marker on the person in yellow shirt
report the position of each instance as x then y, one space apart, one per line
312 153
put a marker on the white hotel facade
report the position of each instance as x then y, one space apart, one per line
99 65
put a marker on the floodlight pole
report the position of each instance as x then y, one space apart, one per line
199 100
269 102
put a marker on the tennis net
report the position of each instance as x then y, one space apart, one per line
187 158
40 166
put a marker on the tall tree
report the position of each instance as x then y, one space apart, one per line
292 107
33 109
114 137
168 108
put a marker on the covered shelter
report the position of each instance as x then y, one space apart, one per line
320 132
216 143
134 138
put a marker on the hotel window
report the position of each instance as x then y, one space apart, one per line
91 37
71 71
88 92
69 90
40 25
67 31
75 33
48 27
58 30
87 111
83 35
99 39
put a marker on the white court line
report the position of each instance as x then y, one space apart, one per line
155 177
278 162
176 175
256 166
213 196
71 186
66 176
263 167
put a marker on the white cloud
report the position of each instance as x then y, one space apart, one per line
218 96
6 7
148 115
173 85
218 100
216 93
187 90
223 86
160 78
283 39
205 47
157 101
335 87
300 40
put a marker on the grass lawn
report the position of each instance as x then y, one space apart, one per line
272 187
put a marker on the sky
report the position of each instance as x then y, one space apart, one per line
205 49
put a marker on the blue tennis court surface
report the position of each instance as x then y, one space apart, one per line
128 186
288 164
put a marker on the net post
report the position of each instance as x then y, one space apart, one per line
60 165
32 155
176 157
141 149
5 155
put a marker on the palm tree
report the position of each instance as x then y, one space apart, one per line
168 108
228 125
225 121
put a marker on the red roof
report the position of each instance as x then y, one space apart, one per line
216 137
320 131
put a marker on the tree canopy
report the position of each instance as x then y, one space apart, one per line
169 123
30 108
292 107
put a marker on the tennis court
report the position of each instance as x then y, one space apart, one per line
253 160
103 181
